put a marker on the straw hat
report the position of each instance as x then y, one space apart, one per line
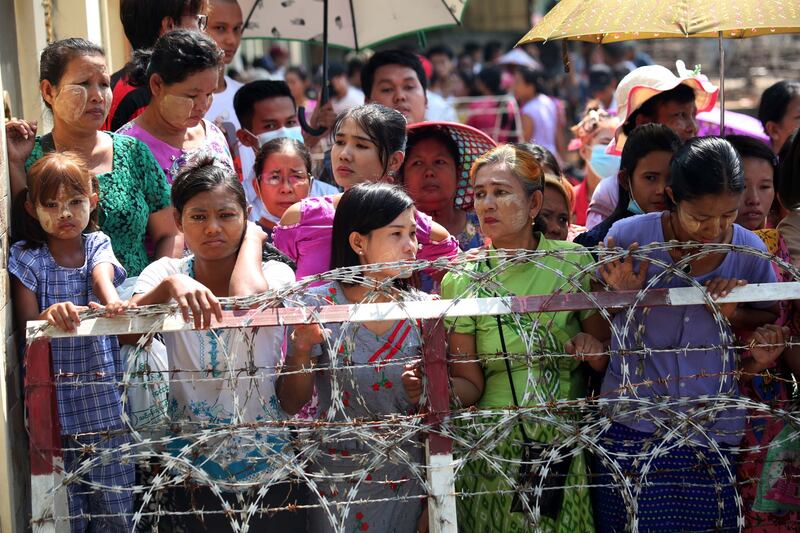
645 82
472 143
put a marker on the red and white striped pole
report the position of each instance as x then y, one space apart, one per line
50 508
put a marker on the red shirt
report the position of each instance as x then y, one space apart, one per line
127 103
581 203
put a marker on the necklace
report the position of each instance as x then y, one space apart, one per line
682 251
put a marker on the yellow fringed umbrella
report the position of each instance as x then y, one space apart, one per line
607 21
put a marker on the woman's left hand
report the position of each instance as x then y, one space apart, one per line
767 344
586 348
721 287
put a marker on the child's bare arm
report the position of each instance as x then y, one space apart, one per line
62 315
26 306
103 283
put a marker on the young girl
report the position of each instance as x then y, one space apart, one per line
237 365
642 178
677 455
55 271
369 144
375 223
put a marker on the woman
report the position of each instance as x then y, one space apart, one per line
642 178
297 80
779 112
225 260
494 118
760 168
508 183
676 454
283 178
436 175
182 71
556 213
542 117
368 147
759 165
592 134
375 223
557 190
134 199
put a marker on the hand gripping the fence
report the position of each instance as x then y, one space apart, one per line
620 275
412 381
766 345
586 348
191 296
721 287
295 385
66 315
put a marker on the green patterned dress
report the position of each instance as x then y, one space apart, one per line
133 190
538 378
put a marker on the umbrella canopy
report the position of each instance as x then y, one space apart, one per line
708 123
604 21
352 23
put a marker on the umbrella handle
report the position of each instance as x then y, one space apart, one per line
301 117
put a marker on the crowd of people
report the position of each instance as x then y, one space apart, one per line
172 182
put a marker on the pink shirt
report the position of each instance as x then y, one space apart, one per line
308 243
172 159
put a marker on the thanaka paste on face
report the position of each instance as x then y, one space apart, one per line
514 210
70 103
176 109
72 100
50 217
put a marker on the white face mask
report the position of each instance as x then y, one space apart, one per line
293 133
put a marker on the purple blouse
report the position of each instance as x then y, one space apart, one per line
172 159
688 369
308 243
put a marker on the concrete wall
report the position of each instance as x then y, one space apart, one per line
14 474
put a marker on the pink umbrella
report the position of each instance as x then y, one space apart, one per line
735 124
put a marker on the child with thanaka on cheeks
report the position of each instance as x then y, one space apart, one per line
56 271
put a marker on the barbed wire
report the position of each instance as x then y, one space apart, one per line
364 455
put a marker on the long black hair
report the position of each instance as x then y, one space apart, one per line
642 141
789 182
384 126
141 19
364 208
705 166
